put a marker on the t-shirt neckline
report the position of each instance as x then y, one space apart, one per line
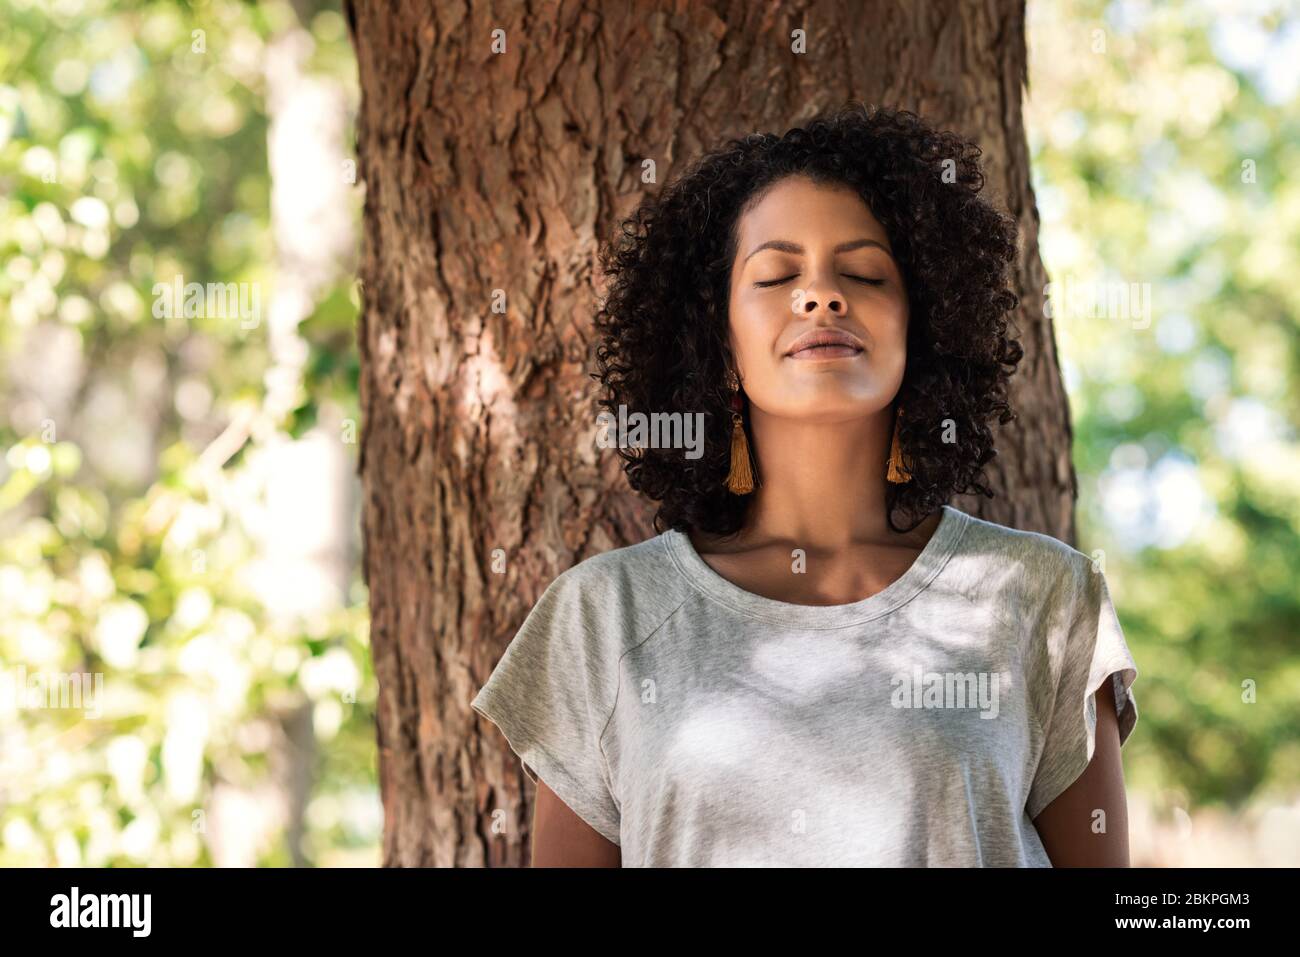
922 571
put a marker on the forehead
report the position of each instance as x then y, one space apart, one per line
800 210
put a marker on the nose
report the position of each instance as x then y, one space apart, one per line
812 299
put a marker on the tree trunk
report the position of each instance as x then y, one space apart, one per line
490 179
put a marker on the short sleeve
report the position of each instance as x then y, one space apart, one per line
1086 652
551 695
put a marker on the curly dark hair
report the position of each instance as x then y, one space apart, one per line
663 325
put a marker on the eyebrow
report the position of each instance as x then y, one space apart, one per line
785 246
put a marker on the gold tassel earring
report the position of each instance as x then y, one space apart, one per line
740 480
897 472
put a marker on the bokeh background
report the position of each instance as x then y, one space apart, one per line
178 497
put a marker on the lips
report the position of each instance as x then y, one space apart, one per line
832 341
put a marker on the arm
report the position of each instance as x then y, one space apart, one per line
1066 825
562 839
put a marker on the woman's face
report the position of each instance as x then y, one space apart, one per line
804 254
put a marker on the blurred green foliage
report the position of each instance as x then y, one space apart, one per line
1165 139
133 148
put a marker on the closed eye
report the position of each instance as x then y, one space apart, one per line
861 279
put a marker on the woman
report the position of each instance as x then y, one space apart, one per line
786 675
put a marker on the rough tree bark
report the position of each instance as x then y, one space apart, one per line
490 179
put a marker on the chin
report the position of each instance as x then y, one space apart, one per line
849 408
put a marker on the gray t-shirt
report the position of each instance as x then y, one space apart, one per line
694 723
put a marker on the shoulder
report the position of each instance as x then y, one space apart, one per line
619 573
622 594
1028 575
613 564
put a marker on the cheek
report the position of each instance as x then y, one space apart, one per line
759 307
894 308
755 323
888 325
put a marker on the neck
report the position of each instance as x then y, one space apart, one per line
823 484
